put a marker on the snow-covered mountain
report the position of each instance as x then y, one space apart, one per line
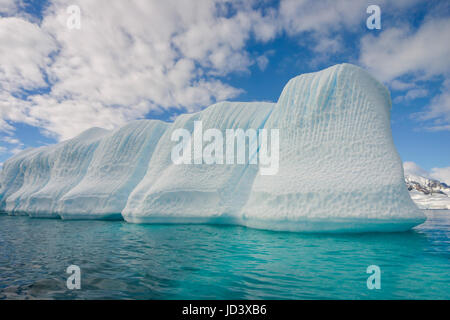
428 193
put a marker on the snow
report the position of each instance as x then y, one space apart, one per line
428 193
430 201
339 170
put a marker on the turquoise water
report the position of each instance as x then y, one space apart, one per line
120 260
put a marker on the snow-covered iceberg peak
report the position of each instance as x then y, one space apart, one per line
338 168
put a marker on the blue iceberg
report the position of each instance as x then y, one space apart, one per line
338 168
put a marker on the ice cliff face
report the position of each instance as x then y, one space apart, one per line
36 180
197 192
334 128
333 125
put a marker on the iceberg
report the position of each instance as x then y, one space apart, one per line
198 193
118 164
338 168
44 175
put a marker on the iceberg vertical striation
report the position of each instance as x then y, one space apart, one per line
339 170
15 175
197 192
118 164
48 173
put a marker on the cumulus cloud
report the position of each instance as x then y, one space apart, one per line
24 54
126 60
440 174
401 85
327 18
8 7
411 168
400 51
438 112
262 62
10 140
321 17
421 54
412 95
133 57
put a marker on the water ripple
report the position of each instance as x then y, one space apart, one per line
126 261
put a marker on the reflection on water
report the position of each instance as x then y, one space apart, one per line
120 260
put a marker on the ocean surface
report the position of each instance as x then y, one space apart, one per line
127 261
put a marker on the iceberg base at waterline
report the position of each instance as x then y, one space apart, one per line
325 225
338 169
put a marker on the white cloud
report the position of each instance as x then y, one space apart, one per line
401 51
416 93
128 58
322 17
412 95
327 45
262 62
132 57
422 55
320 24
438 111
13 109
441 174
8 7
401 85
10 140
24 53
16 150
412 168
10 145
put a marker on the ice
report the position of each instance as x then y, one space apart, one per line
197 192
89 177
118 165
338 171
435 201
13 176
44 175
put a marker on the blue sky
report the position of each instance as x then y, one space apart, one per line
157 59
